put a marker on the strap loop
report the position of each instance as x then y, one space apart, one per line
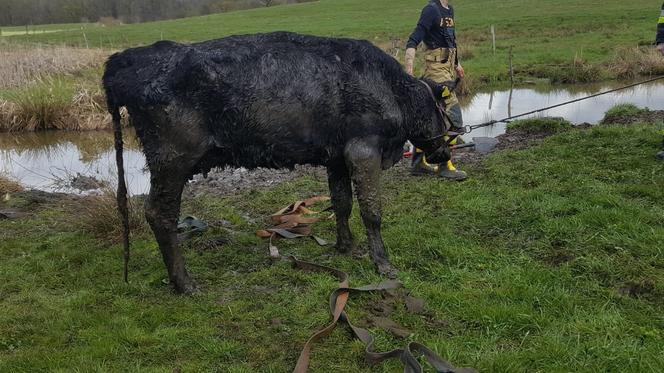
338 301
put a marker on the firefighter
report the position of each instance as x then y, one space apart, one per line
435 29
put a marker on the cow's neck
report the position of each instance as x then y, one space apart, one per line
419 113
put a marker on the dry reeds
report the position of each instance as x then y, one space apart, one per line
38 106
629 63
41 96
21 64
53 104
99 216
7 185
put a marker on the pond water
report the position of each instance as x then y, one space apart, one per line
47 160
484 107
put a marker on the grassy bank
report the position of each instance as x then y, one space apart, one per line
561 40
547 259
51 87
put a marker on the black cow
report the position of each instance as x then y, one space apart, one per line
270 100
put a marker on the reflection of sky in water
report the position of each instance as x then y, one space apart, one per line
476 109
59 155
41 168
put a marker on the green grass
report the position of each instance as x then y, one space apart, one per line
621 111
39 106
40 29
558 40
548 259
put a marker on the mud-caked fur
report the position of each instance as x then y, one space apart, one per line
271 100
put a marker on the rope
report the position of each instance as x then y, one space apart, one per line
468 129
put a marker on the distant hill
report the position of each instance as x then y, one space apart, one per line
31 12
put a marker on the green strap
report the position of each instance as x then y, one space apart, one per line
338 298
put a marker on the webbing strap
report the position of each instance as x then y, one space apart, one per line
338 300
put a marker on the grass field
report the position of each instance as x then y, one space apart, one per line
549 259
547 36
562 42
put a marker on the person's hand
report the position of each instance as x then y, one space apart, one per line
660 48
409 69
410 60
460 72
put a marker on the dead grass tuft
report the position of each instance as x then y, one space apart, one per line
98 215
54 104
629 63
7 185
20 64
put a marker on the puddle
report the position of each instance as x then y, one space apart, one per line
43 160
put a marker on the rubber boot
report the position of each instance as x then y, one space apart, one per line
419 166
660 155
451 173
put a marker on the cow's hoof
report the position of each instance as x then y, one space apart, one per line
345 247
186 287
387 270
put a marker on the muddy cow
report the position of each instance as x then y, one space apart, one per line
270 100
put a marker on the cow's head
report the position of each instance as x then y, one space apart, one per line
432 137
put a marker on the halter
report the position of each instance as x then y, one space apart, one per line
444 118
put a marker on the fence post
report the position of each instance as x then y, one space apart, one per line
493 38
87 46
511 67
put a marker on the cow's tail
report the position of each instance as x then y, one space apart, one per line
123 208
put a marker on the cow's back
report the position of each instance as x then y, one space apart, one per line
294 96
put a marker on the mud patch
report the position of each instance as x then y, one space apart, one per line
10 214
85 183
638 289
380 310
558 257
391 326
631 115
228 181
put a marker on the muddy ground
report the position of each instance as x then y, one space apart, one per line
231 181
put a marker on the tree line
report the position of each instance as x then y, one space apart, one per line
34 12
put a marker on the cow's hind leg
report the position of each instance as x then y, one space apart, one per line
342 202
364 161
173 148
162 210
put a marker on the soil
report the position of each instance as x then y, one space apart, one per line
232 181
648 116
229 181
85 183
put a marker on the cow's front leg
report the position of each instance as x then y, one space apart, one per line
342 201
162 209
364 162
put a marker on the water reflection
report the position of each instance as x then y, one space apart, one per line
44 160
38 160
